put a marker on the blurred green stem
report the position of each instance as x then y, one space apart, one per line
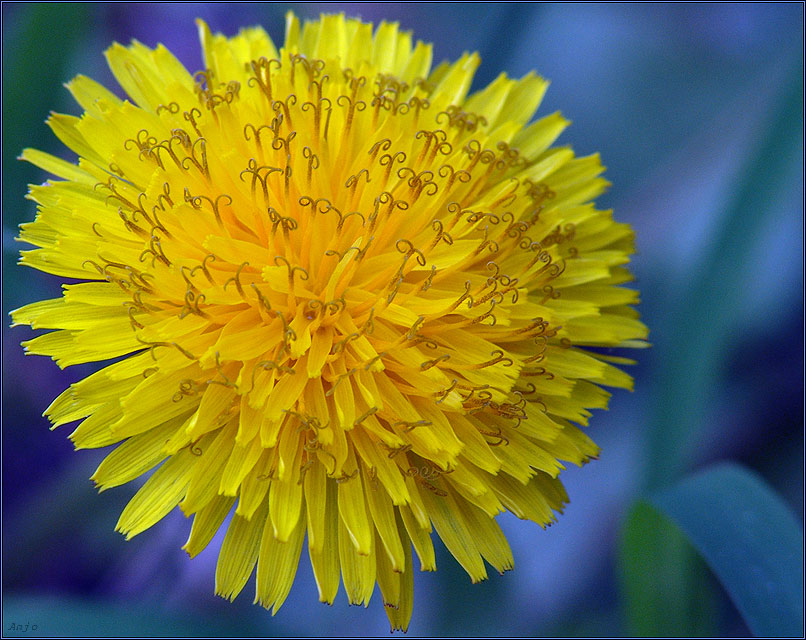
667 593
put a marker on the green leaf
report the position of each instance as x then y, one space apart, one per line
750 539
666 587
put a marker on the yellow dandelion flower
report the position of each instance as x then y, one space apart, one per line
354 303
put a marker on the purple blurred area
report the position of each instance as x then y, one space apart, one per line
677 98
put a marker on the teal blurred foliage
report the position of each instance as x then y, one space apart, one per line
686 385
697 111
751 540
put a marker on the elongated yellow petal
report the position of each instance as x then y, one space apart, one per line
353 512
388 579
489 538
325 561
455 533
204 482
239 554
421 538
254 487
383 516
161 493
241 461
135 456
277 566
400 613
357 570
206 522
315 485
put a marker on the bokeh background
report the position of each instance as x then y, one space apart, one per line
697 111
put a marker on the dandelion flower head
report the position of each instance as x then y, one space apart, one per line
346 301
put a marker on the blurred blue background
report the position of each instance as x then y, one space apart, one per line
697 112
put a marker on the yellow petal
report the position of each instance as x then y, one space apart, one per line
400 614
206 522
357 570
277 566
353 513
455 533
383 515
239 553
135 456
155 499
421 538
326 561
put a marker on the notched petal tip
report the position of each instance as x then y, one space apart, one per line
115 46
